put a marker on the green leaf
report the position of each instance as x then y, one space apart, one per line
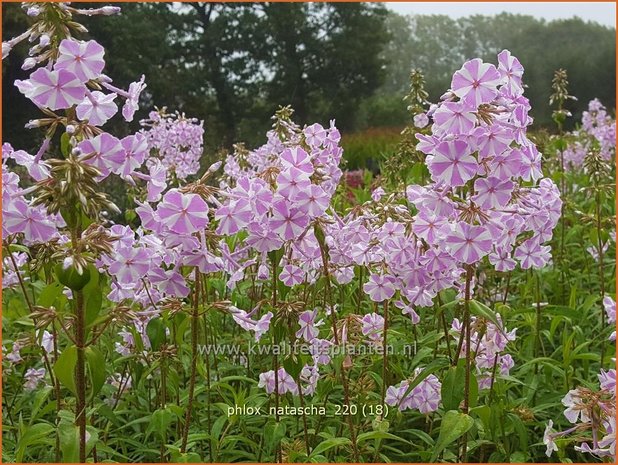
156 333
96 367
39 399
93 296
49 294
319 234
379 435
64 144
275 256
64 368
453 386
482 310
273 432
293 365
329 444
186 457
160 421
68 433
454 425
31 435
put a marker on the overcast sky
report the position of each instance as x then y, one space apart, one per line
601 12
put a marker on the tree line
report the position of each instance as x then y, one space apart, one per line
234 64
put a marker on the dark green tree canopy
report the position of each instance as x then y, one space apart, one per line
234 64
438 45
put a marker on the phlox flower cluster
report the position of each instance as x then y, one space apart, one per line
275 194
33 377
488 343
20 216
175 140
367 330
144 264
590 410
487 197
424 397
597 131
62 82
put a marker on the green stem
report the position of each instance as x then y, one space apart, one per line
537 349
275 360
384 368
601 262
194 335
80 373
346 389
466 328
163 401
305 428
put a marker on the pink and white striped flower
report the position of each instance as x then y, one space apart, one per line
183 213
84 59
452 163
55 90
468 243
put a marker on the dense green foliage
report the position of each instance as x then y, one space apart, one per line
561 342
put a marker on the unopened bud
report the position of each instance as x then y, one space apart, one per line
129 180
215 166
263 272
6 49
104 78
112 206
70 129
33 11
29 63
67 262
76 151
110 10
34 123
44 40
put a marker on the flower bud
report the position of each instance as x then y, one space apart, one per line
110 10
33 11
70 129
29 63
263 272
34 123
215 166
6 49
67 262
44 40
76 151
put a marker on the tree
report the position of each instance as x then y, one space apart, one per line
438 44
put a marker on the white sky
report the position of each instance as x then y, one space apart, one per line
601 12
